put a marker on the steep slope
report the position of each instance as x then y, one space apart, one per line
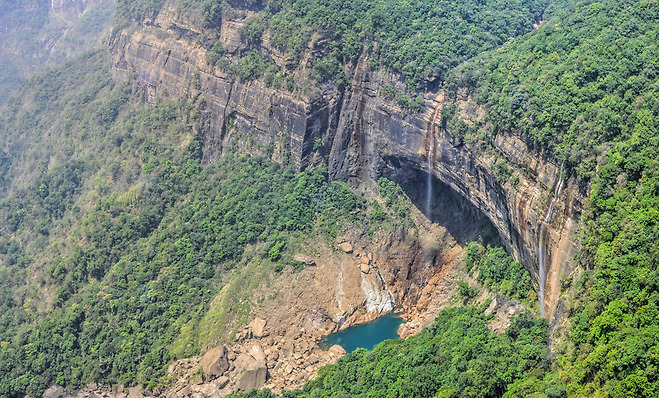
590 96
98 189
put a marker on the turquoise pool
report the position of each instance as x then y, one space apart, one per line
365 335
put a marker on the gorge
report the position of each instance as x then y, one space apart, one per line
349 122
190 206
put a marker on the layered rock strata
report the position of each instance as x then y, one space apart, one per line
360 135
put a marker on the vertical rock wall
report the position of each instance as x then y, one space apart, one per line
362 135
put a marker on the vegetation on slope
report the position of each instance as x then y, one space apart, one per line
31 37
499 272
87 230
115 236
576 85
422 40
586 90
129 246
149 262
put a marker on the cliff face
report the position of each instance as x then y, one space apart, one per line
165 62
361 135
377 138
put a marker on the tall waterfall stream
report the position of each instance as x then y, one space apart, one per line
542 258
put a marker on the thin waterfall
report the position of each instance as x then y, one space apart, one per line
429 191
431 159
542 269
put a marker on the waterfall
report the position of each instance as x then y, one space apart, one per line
431 158
542 269
430 133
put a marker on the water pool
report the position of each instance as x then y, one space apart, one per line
365 335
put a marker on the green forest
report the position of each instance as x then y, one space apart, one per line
421 40
116 231
171 235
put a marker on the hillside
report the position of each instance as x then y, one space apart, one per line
35 34
305 166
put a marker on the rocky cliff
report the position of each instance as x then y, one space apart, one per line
361 135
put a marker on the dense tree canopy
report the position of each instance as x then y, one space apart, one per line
158 234
421 39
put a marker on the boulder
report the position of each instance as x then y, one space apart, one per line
244 361
272 356
306 260
336 351
492 308
346 247
317 321
206 390
222 382
257 352
244 335
303 346
215 362
253 377
287 349
311 360
301 377
365 266
258 328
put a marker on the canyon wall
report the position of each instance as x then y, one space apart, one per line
359 134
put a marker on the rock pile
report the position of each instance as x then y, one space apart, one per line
255 360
